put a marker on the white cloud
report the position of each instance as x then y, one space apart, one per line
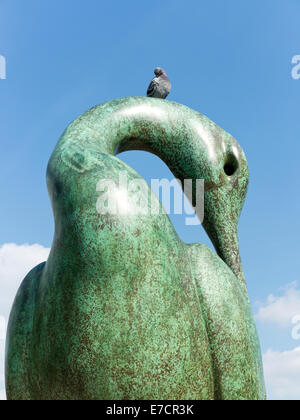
282 369
282 374
15 263
280 310
2 328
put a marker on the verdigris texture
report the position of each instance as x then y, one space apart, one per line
123 309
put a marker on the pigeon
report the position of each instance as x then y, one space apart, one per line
160 86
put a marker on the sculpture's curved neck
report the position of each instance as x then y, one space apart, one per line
191 145
184 139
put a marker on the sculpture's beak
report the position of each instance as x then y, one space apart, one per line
223 205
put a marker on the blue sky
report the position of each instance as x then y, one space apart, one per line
230 60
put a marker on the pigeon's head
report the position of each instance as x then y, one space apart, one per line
159 71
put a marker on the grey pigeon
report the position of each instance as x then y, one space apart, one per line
160 86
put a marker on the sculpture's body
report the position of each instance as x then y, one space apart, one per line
123 309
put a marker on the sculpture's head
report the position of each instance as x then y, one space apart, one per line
226 177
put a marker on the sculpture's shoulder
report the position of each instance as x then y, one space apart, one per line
231 330
19 337
213 275
219 290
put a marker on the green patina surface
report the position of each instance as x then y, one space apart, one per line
123 309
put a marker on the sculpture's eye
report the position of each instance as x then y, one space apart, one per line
231 165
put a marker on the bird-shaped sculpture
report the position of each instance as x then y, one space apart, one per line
123 309
160 86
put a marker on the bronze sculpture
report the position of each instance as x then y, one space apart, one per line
123 309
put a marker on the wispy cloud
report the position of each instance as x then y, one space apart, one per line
282 368
280 310
282 374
